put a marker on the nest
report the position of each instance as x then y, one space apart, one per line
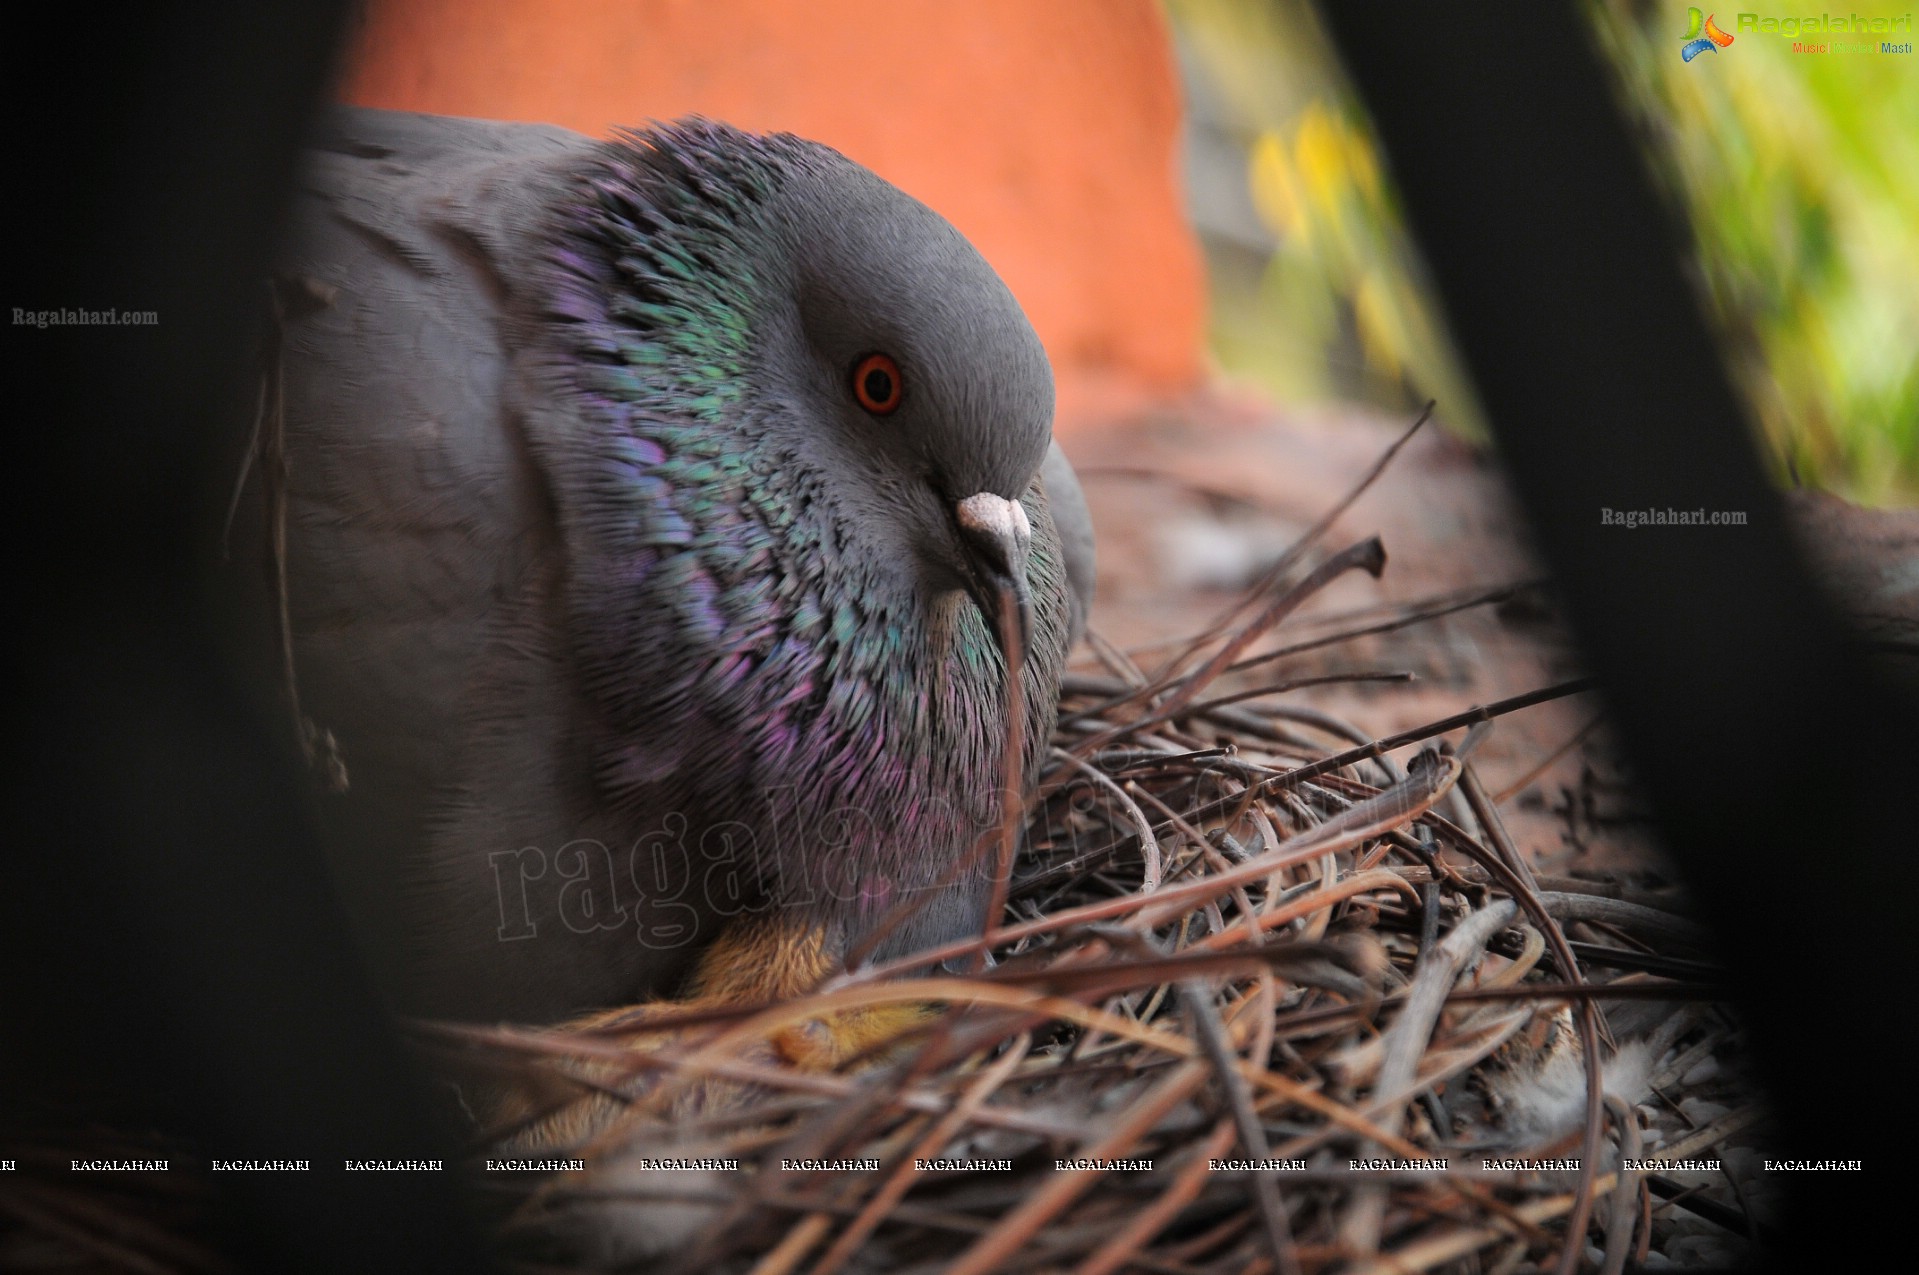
1254 1003
1266 993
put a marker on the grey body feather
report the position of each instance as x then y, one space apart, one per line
436 571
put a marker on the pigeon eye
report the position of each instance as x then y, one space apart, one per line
877 384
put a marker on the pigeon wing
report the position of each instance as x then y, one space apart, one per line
1075 526
425 564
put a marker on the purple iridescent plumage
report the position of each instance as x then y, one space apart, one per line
688 601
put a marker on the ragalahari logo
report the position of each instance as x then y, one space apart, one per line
1701 35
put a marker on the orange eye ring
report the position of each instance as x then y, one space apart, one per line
877 384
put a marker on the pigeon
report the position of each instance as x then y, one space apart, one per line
661 516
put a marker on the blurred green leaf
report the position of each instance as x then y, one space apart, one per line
1799 174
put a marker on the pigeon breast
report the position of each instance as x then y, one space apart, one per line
618 642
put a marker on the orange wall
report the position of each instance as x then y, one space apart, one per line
1046 130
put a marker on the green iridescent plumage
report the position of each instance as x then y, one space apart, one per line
818 677
695 632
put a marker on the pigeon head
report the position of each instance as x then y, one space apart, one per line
905 351
831 319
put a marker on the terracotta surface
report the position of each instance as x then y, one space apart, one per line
1046 132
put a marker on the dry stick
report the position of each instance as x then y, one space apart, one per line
1058 978
1532 949
798 1241
1205 849
1319 719
47 1219
1271 577
1669 1033
1208 1240
1276 783
1067 977
1374 611
269 353
1568 906
111 1222
1061 1189
1478 1192
1625 1200
1443 605
773 1200
1198 999
832 1199
270 430
1473 874
1071 684
1148 844
1265 1001
1350 828
1052 1007
1644 1246
1367 555
1155 1217
1476 1036
1586 1014
1427 1254
1012 763
1417 611
1518 785
902 1178
813 1083
1325 896
1075 685
1709 1136
710 1055
1326 871
1472 716
1302 1021
1405 1043
1119 699
276 473
1392 807
1113 659
1570 903
1487 812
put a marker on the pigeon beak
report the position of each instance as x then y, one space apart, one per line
997 537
